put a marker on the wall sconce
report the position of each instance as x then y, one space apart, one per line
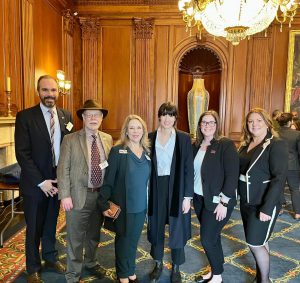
64 87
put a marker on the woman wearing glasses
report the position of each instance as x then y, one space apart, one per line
216 171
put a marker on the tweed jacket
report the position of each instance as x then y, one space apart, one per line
72 170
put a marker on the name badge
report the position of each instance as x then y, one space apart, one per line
69 126
147 157
103 165
123 151
216 199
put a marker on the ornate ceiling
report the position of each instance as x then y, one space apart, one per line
126 2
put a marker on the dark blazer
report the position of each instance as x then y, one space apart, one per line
292 137
219 171
266 175
114 188
181 185
33 147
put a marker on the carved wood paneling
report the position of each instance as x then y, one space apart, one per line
125 2
90 32
161 62
143 30
10 55
116 76
260 73
48 48
28 54
68 54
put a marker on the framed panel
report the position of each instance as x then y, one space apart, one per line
292 94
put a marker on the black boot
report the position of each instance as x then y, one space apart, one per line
175 275
156 272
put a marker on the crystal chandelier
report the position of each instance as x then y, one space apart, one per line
235 19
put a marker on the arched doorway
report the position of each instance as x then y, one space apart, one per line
223 50
203 60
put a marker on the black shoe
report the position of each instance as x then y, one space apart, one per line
96 271
34 278
156 272
57 266
136 280
176 276
200 279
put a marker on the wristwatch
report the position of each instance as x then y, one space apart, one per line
224 203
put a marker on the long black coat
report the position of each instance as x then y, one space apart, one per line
181 185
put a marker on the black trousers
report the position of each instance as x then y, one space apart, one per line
157 251
41 214
126 246
293 183
210 233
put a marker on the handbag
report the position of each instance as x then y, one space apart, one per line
115 210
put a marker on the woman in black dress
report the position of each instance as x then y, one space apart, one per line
263 169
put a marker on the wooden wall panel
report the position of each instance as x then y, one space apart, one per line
254 72
47 22
10 55
260 72
239 87
161 64
116 76
77 74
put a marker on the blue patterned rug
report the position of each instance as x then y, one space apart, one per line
239 264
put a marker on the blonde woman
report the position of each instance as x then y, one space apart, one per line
263 170
125 184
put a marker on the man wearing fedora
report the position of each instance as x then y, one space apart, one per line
80 174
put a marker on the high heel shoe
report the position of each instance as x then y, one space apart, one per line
136 280
200 279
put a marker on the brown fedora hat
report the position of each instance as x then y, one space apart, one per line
91 104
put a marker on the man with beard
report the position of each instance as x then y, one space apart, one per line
38 134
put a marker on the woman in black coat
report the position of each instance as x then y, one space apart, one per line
170 191
216 171
263 169
292 138
125 184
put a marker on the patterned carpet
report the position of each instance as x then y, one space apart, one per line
239 266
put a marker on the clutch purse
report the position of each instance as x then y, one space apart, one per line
115 210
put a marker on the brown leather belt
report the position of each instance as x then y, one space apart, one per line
92 190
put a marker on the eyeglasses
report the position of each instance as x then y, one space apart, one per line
90 116
210 123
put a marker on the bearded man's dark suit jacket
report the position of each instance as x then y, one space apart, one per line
33 152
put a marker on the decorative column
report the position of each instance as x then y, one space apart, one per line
142 100
90 31
68 31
